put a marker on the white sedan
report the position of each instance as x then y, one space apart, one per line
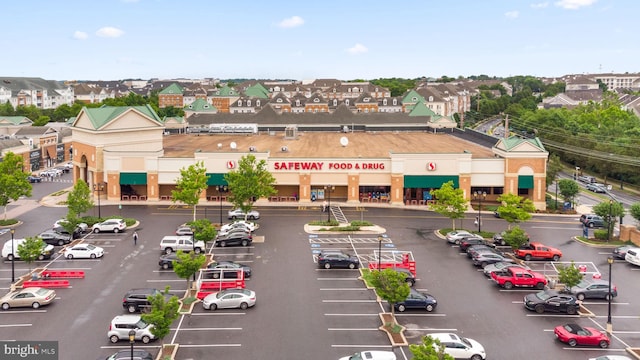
250 226
239 214
371 355
83 251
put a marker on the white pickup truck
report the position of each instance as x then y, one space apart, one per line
172 243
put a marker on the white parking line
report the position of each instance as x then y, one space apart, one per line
421 315
338 279
554 315
604 303
376 314
342 289
15 325
209 345
23 311
217 314
435 330
168 280
353 329
206 329
350 301
359 346
127 346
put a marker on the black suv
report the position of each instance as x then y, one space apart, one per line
135 300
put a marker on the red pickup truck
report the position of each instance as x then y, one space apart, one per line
518 277
536 250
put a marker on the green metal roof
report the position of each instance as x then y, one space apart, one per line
14 120
257 91
420 109
101 116
226 91
201 105
513 141
412 97
172 89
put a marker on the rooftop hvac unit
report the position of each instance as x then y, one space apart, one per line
252 148
284 149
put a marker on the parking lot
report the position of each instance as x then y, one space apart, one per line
304 311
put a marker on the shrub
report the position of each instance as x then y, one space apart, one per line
361 223
601 234
8 222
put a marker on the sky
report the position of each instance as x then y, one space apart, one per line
302 40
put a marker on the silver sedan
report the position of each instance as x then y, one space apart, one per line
230 299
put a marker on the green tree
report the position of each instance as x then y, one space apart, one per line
41 120
250 181
634 211
515 237
569 275
191 183
610 211
188 264
79 199
162 313
569 189
514 208
203 230
13 180
449 202
429 349
390 285
554 167
30 249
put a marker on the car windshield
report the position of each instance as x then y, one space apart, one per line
141 324
543 295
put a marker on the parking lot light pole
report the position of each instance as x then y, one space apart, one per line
329 189
132 339
609 325
220 189
99 188
13 269
479 195
380 238
609 224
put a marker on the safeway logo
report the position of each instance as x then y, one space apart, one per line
431 166
231 164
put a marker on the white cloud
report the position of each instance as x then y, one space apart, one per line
109 32
80 35
541 5
291 22
574 4
512 14
357 49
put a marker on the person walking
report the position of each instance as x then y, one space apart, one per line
135 238
324 206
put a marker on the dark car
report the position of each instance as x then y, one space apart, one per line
473 249
594 289
472 240
34 179
234 239
55 238
77 232
484 258
229 266
417 300
621 251
330 259
552 301
135 300
166 261
409 277
126 355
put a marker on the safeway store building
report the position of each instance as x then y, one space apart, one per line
126 154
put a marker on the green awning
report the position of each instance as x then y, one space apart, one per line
216 179
525 181
429 181
133 178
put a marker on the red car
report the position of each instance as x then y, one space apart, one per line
574 334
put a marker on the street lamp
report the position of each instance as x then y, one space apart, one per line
609 227
480 195
609 325
132 339
220 189
13 269
556 193
99 188
380 238
329 189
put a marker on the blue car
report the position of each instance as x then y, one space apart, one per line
417 300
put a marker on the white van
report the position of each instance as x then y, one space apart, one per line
172 243
10 252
